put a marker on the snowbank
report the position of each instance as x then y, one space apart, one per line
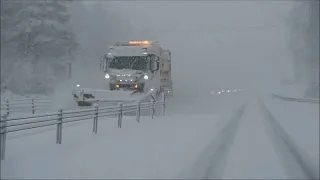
294 90
289 90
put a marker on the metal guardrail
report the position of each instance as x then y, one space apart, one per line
10 124
32 105
295 99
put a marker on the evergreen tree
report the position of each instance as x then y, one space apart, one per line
37 34
304 43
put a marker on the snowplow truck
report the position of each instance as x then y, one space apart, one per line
133 71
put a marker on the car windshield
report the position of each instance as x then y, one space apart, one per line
129 62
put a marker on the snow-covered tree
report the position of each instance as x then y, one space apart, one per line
36 37
304 43
9 31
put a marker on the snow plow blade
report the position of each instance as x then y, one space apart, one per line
87 97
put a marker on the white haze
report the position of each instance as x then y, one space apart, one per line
214 44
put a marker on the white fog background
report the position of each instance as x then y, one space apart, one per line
215 44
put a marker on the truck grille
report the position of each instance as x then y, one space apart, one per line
127 86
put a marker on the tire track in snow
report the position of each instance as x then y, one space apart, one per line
295 161
212 161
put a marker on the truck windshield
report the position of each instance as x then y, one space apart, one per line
130 62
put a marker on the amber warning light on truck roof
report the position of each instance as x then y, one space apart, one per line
139 42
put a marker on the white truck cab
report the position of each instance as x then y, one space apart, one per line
133 71
134 66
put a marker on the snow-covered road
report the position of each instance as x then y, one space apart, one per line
252 155
236 138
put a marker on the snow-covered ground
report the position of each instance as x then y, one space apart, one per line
301 122
252 155
153 148
164 147
223 136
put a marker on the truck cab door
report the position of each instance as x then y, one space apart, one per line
155 64
156 80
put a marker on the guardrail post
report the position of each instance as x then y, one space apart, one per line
3 135
33 108
8 107
149 108
138 112
59 127
163 104
120 115
152 109
95 119
101 61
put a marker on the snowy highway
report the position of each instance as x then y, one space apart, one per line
171 90
245 141
253 145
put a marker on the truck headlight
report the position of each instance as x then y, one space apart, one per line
107 76
146 77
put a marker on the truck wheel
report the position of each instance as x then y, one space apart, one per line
112 87
141 88
161 89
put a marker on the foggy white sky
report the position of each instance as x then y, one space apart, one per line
210 42
202 45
